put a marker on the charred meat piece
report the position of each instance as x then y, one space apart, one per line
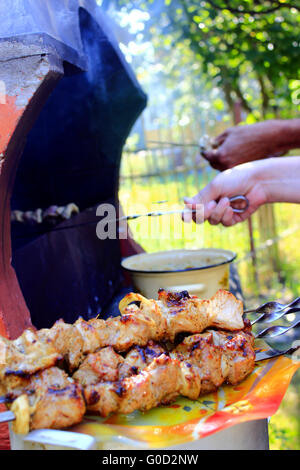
101 366
67 340
200 351
138 358
106 365
238 353
52 400
157 383
23 357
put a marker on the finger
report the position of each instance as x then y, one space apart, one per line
196 211
209 193
210 155
219 139
206 209
192 211
214 159
218 213
228 219
187 215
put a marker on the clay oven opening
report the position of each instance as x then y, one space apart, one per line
70 165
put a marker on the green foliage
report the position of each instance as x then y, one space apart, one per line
284 426
249 48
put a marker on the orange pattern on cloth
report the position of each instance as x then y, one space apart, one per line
257 397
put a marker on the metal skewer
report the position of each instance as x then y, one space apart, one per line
269 308
277 330
243 200
270 353
233 199
273 316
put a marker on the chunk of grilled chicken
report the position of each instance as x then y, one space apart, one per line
239 354
21 358
50 400
138 358
106 365
190 314
159 320
200 352
66 339
157 383
102 365
200 364
221 356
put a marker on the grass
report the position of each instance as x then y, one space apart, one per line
284 426
270 281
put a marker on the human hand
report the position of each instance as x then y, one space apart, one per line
241 144
243 179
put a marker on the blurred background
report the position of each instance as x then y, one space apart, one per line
207 66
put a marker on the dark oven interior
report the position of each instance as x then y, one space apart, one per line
71 160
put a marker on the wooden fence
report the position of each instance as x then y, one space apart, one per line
166 170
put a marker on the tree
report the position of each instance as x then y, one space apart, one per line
248 48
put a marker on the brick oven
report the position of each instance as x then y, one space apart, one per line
68 102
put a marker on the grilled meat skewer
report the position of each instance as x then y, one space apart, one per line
106 378
153 320
159 320
143 379
200 364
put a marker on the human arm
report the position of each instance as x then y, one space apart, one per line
244 143
265 181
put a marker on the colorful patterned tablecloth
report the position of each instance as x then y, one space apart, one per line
259 396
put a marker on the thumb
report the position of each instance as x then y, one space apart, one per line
211 192
207 208
207 197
